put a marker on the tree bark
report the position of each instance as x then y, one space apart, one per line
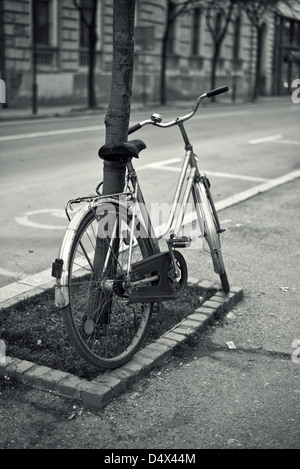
118 112
117 123
214 62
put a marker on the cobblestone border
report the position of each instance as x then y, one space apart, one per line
101 390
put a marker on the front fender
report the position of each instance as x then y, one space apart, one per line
61 285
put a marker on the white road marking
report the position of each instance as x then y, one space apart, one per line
264 139
166 165
237 176
25 219
102 127
221 114
48 133
264 187
46 119
159 164
9 273
276 139
289 142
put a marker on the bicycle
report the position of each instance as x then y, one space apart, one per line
111 269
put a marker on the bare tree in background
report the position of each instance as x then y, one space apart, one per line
218 17
88 15
173 11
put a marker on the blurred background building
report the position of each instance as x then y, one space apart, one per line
45 50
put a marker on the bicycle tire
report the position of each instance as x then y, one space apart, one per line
105 343
212 236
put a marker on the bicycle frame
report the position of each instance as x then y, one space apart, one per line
189 172
189 164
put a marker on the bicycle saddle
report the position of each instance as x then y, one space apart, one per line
122 152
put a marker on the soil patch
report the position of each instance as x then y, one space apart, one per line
33 330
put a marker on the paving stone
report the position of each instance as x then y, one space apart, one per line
95 395
17 368
206 284
112 382
70 386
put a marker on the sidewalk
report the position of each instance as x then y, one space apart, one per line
11 114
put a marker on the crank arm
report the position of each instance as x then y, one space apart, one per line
144 280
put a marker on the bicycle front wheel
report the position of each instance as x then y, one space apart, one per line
102 326
212 235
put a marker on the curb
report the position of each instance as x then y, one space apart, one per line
98 392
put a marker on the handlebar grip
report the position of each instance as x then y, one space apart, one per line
134 128
216 91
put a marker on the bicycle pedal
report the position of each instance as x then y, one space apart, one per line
183 242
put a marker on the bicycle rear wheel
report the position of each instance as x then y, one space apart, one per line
103 328
212 235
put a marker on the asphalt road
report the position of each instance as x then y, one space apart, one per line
45 162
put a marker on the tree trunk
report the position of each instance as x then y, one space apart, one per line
214 67
118 113
163 94
257 64
214 62
117 123
162 91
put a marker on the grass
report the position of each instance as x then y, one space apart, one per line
33 330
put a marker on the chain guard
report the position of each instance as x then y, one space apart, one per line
167 287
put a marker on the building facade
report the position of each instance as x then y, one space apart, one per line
46 42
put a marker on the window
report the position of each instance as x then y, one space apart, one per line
292 32
41 10
87 10
297 33
89 21
294 36
45 33
196 31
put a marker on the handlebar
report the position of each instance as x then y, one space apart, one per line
216 91
156 119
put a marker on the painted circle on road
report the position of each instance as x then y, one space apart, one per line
35 219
